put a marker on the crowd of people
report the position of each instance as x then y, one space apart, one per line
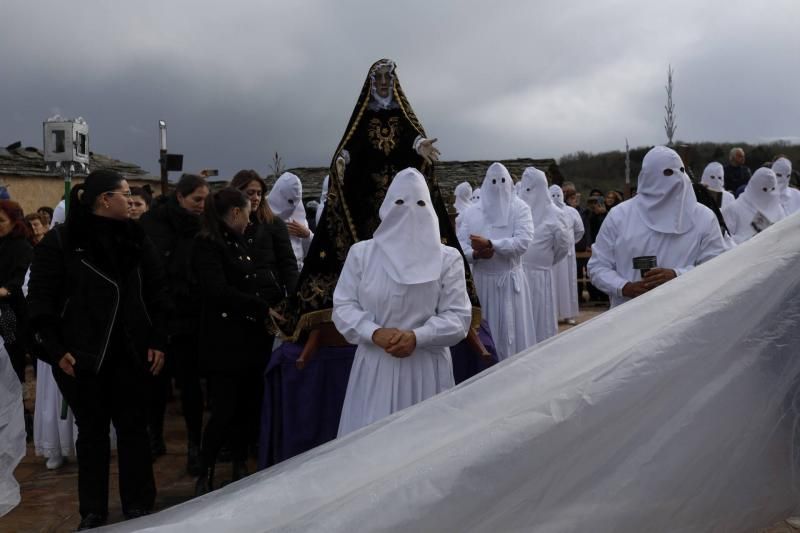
120 294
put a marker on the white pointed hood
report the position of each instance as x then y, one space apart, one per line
665 199
762 194
463 194
408 235
497 195
286 197
476 195
557 196
714 177
782 168
533 191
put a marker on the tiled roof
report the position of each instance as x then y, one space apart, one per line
30 162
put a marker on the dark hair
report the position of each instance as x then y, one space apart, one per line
144 192
241 180
14 212
217 206
190 183
705 198
48 210
83 196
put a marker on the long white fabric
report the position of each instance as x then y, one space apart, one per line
790 198
565 272
761 198
380 288
683 418
12 432
286 201
551 243
714 179
500 281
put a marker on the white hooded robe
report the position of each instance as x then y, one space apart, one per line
500 281
384 284
565 272
662 220
551 243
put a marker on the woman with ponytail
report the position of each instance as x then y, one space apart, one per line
97 301
234 340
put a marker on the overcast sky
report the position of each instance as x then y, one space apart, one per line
238 80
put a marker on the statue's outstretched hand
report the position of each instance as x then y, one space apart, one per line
428 151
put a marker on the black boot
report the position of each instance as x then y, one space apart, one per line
91 521
205 483
239 470
194 466
157 445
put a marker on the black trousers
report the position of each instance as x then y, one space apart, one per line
118 394
235 408
19 360
183 353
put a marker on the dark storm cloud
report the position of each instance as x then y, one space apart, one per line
237 81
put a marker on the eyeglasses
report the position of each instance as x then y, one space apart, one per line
123 193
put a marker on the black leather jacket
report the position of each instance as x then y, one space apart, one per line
85 296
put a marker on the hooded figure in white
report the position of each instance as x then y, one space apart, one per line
402 298
565 272
286 201
494 235
551 243
323 197
714 180
463 194
12 432
757 208
790 197
663 220
476 195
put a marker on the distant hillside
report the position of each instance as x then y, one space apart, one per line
606 170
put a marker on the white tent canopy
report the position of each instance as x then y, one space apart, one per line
672 412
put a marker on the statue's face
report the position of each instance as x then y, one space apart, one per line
383 82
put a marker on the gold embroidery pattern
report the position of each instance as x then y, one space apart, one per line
384 137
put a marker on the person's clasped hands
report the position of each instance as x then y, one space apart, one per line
481 247
395 342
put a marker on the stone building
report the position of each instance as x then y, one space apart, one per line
23 173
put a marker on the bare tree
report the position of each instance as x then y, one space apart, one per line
670 124
277 165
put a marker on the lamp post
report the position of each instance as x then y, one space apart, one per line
162 133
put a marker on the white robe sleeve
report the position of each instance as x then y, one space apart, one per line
562 242
602 266
522 237
354 323
450 324
577 224
462 232
711 243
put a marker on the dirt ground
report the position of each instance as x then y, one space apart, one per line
50 498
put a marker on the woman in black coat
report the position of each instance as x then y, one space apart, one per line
172 225
234 340
15 257
97 301
268 241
